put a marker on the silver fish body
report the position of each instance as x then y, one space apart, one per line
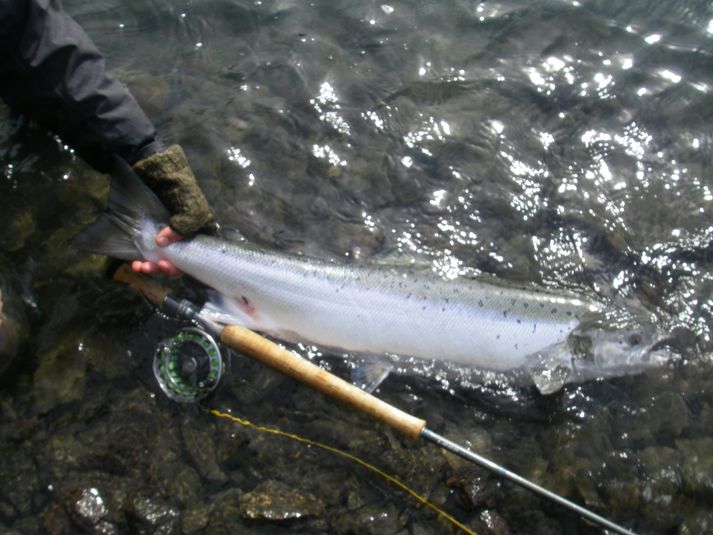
377 309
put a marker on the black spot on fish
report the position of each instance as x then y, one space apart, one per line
480 303
516 346
512 303
245 300
542 305
519 322
534 327
505 313
569 313
553 311
497 337
525 305
423 307
443 309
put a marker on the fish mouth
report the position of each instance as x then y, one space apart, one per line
659 351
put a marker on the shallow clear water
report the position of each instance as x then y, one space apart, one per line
566 144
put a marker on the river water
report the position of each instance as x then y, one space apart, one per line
565 144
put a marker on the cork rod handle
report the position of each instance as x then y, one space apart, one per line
152 290
269 353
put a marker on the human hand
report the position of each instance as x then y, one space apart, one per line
165 237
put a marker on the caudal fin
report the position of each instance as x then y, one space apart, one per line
133 216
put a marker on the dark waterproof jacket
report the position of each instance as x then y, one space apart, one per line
51 71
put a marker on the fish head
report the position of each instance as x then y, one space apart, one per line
611 353
617 343
603 345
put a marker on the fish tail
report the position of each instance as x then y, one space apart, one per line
134 215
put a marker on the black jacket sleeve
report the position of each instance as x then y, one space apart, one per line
51 71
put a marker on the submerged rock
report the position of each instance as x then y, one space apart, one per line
61 375
151 515
697 468
275 501
220 515
14 328
20 227
19 484
475 488
89 511
375 518
201 446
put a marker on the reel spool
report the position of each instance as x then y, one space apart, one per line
189 365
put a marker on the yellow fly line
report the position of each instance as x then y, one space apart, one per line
346 455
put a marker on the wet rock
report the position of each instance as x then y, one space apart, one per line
275 501
494 523
20 227
623 496
221 514
376 519
662 470
28 524
474 488
87 508
14 328
56 520
150 91
699 522
152 516
196 518
660 487
6 509
669 415
697 468
61 375
94 511
179 481
19 484
201 446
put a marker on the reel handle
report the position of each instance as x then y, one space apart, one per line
269 353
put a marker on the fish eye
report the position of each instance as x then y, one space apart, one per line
634 339
581 345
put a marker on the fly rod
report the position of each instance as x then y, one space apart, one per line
171 368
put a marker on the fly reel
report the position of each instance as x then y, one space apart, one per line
189 365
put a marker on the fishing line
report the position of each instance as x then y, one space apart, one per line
391 479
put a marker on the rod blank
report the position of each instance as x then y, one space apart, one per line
503 472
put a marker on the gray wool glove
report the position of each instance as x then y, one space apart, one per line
169 175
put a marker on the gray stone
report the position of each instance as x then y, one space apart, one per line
275 501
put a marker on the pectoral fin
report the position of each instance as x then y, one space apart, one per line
551 369
228 311
369 375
